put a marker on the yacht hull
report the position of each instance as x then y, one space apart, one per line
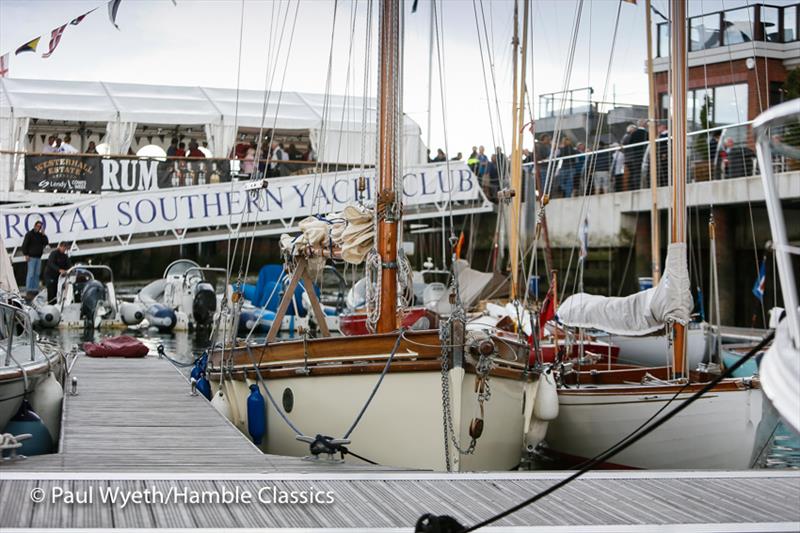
402 427
726 429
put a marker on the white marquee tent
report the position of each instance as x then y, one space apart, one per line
333 123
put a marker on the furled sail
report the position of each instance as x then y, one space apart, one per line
350 233
639 314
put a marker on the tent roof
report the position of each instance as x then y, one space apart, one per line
94 101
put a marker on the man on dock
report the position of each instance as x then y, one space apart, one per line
33 246
57 263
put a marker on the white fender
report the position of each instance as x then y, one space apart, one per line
546 406
46 401
48 316
220 403
131 313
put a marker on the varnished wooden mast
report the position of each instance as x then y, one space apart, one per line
655 233
388 160
677 129
516 151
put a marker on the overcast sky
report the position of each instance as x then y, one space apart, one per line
197 43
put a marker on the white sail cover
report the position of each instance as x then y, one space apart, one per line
639 314
7 281
780 376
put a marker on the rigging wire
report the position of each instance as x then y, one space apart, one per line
749 202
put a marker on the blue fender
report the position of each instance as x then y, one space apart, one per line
256 415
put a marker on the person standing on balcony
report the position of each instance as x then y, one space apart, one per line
634 155
602 169
67 147
566 174
33 246
739 160
473 161
617 168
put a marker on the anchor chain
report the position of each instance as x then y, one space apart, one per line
483 390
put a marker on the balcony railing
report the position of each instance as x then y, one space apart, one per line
723 152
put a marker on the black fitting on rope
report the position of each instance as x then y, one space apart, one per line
160 350
324 444
430 523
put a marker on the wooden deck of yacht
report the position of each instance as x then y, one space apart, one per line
133 426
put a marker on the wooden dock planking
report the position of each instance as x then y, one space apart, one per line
388 500
136 415
133 425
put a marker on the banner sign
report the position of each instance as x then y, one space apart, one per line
93 174
287 199
62 173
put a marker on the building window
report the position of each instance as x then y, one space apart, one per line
703 32
775 93
789 24
738 24
770 24
663 40
700 109
664 108
730 104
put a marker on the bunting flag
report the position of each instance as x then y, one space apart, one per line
4 60
55 39
78 20
30 46
113 6
761 281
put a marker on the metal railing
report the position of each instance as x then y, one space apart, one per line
709 158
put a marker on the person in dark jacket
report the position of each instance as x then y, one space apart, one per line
57 263
602 169
739 160
33 246
634 155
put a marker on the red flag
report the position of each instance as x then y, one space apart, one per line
547 312
55 38
78 20
4 60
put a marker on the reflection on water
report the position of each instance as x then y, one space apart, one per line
184 347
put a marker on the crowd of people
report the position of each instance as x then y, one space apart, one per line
273 160
622 166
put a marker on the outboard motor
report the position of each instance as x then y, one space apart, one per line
48 316
93 302
82 277
204 303
131 313
162 317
